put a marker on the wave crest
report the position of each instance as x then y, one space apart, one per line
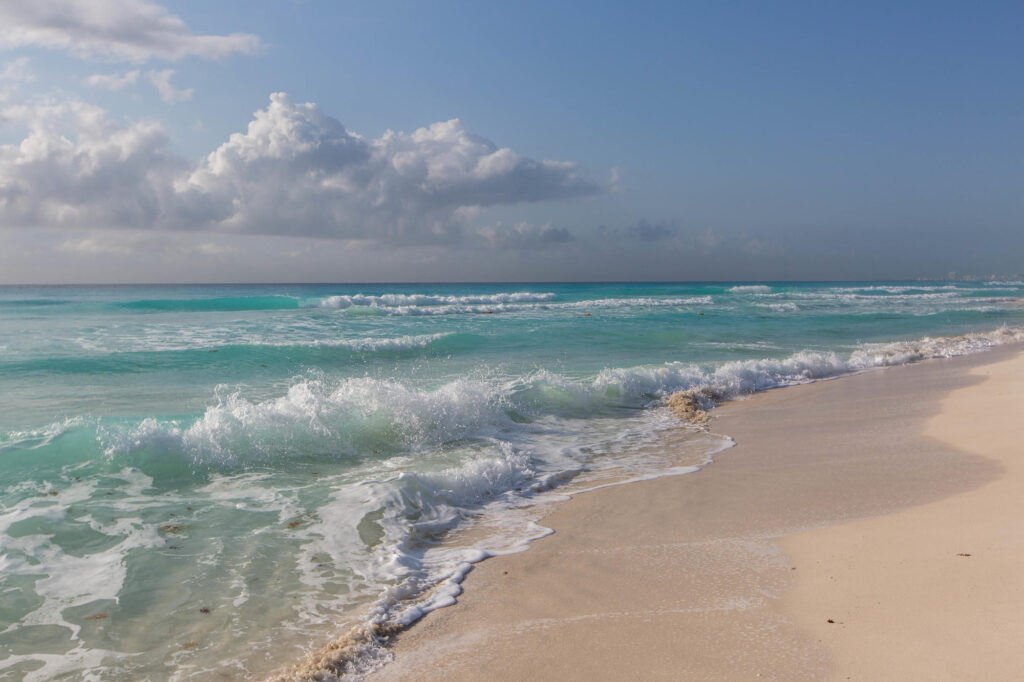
405 300
751 289
315 416
465 307
354 416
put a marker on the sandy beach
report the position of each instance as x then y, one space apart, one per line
865 528
358 341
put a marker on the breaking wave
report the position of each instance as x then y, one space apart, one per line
787 307
406 300
372 344
525 304
348 416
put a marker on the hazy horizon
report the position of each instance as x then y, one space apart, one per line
967 279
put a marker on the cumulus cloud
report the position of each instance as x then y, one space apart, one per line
113 30
524 236
294 171
105 174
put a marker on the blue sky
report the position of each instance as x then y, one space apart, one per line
717 140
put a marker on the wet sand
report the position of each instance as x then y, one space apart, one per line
848 500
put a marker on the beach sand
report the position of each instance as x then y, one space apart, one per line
851 501
935 592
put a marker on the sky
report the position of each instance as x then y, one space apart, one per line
385 141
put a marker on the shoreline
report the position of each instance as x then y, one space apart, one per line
617 591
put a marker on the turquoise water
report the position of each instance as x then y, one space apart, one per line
206 481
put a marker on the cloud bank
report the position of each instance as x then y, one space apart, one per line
294 171
113 30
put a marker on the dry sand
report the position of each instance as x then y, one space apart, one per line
718 575
935 592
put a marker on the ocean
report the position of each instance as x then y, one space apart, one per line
208 482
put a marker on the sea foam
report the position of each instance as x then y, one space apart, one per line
348 416
406 300
405 305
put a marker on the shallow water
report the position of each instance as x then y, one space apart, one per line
202 482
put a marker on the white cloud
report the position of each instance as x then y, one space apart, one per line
294 171
17 71
105 174
298 171
161 80
112 30
113 81
12 75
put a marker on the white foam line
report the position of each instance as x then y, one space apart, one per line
510 307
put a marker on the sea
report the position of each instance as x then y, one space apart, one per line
212 482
